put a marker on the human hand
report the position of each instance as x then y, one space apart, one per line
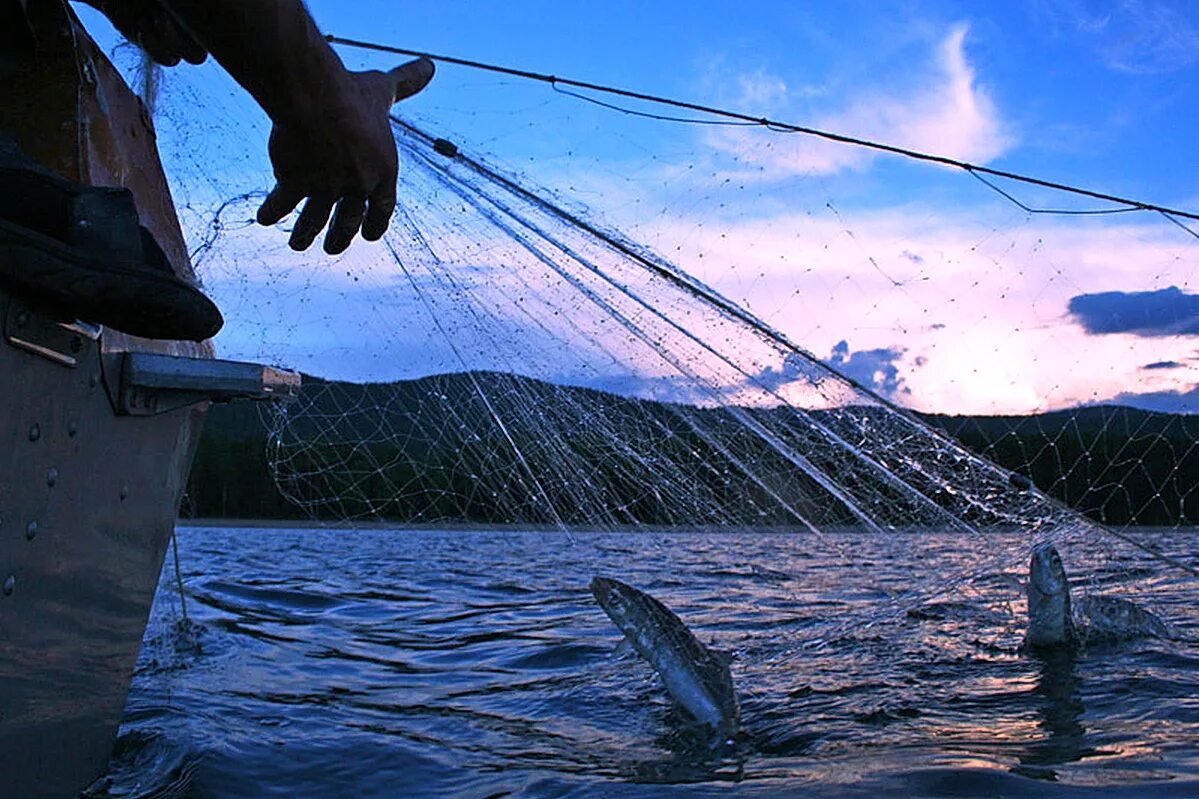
152 27
340 152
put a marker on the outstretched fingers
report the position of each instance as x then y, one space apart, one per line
378 216
352 214
346 221
411 77
278 204
310 222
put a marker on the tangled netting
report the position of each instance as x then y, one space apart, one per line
708 439
514 361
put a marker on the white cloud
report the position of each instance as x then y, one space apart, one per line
945 111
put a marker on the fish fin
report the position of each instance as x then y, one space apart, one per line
624 649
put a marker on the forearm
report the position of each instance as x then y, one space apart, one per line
272 48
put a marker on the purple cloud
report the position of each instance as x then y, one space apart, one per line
1165 312
1162 401
874 369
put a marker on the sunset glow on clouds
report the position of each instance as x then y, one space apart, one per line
976 321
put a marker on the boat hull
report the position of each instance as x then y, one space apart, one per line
88 500
88 496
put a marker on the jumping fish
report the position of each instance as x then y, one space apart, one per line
697 677
1054 621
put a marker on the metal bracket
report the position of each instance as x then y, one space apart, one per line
64 343
151 384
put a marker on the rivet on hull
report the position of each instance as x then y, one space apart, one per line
72 429
35 432
51 476
30 531
10 583
124 492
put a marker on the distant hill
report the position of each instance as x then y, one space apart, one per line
1113 463
429 449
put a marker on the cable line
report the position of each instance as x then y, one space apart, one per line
787 127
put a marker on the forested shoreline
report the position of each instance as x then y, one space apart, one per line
1115 464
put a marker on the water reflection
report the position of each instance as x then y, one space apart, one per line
691 755
1058 691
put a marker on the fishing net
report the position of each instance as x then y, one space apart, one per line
698 328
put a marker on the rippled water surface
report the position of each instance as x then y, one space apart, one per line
393 663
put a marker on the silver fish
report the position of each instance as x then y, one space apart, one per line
697 677
1054 621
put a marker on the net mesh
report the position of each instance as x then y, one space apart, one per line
502 357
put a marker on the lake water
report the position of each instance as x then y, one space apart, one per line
394 663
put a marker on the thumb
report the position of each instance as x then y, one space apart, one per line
410 78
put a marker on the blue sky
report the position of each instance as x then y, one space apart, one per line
1100 93
918 280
